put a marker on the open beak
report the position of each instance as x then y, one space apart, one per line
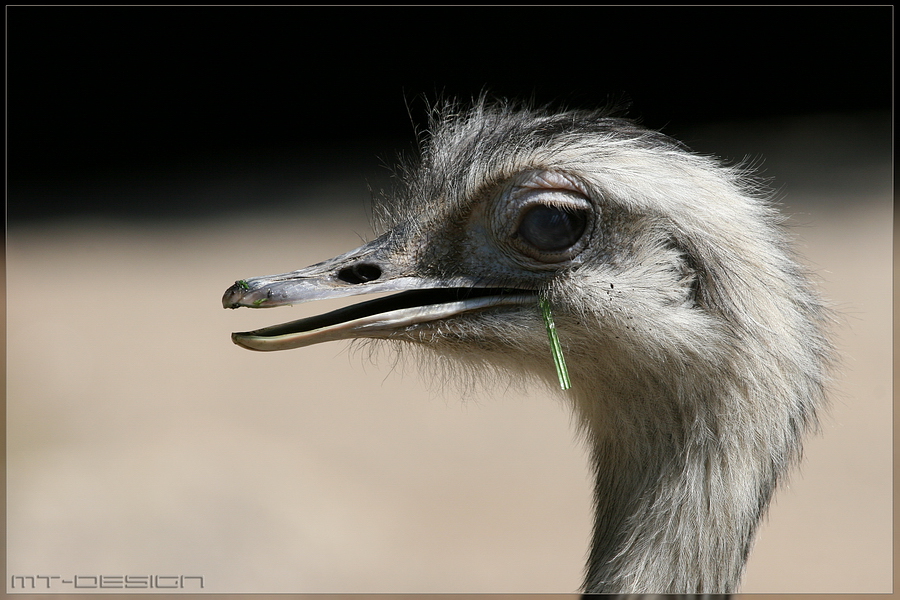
369 269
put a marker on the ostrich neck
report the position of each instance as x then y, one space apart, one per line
675 506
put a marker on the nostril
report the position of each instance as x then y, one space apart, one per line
360 273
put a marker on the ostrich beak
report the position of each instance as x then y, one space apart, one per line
369 269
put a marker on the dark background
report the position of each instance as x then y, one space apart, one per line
105 103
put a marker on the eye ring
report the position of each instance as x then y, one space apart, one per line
551 225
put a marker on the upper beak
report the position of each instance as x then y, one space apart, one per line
370 269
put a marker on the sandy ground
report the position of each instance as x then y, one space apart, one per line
141 442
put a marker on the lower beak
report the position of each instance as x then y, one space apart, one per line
393 316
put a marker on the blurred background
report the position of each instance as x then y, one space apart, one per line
156 155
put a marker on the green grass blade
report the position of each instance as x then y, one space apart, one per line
561 371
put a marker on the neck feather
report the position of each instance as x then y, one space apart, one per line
677 496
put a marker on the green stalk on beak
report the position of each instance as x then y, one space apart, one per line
558 360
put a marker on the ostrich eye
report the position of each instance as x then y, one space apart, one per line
551 229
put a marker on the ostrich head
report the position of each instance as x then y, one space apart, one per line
693 340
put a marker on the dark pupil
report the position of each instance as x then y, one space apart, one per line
551 229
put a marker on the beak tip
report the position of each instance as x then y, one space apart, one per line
238 340
233 295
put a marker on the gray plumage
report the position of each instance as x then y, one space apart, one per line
695 343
